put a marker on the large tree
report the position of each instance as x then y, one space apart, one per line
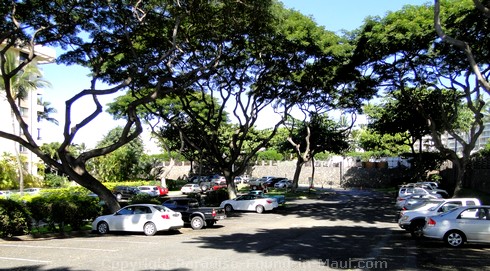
308 138
402 52
166 46
291 62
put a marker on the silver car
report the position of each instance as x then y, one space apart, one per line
460 225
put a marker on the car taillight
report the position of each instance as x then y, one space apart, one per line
213 213
165 216
269 201
431 222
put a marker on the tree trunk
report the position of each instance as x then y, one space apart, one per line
166 171
18 158
299 164
91 183
312 172
459 169
230 183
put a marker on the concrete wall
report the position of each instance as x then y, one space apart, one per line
347 172
327 173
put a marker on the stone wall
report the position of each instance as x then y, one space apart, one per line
347 172
327 173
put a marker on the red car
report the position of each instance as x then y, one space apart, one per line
163 190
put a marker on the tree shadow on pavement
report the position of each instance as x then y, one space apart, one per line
357 206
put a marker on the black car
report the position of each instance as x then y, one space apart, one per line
198 217
125 192
273 181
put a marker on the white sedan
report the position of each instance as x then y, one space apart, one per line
147 218
249 203
150 190
460 225
190 188
283 184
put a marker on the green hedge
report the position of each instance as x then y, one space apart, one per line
61 208
14 218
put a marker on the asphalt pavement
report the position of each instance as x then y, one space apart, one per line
334 230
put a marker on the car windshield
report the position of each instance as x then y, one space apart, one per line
429 205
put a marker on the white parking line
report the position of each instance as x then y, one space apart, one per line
73 248
23 260
117 241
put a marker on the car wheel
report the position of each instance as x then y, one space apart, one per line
454 238
416 230
102 227
228 208
197 223
259 209
119 197
204 188
149 229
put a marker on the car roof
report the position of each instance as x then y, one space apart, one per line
142 204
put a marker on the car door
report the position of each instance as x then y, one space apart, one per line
141 215
249 203
119 219
242 202
475 224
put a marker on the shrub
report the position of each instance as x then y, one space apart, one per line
64 208
143 198
14 218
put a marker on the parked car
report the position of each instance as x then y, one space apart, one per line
405 191
281 199
210 181
257 184
32 191
146 218
190 188
285 183
198 217
5 194
413 201
272 182
249 203
162 191
414 220
151 190
124 192
460 225
240 179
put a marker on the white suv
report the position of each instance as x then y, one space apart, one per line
414 220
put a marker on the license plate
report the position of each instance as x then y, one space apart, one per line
220 217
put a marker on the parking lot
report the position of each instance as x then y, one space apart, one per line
337 230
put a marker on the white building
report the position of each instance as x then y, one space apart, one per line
29 108
450 143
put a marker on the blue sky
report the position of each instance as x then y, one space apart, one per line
66 81
346 14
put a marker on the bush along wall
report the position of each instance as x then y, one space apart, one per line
59 210
14 218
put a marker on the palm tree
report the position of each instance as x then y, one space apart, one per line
21 84
46 114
